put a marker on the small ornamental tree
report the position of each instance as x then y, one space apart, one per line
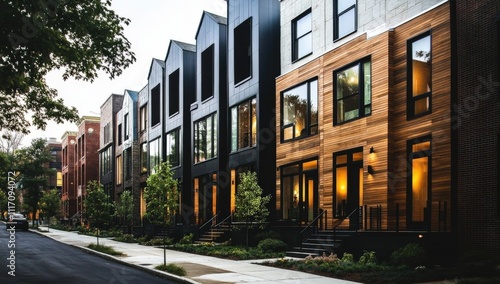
124 209
250 204
162 198
97 206
50 204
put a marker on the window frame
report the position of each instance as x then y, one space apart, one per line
235 125
155 105
144 157
361 91
157 159
411 100
337 14
308 124
126 125
174 92
176 132
296 39
242 62
198 139
208 73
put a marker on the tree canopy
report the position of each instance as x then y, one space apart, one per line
97 207
81 38
50 204
162 195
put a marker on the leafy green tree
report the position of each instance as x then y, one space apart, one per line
82 38
162 198
3 204
50 204
98 208
34 177
250 204
124 209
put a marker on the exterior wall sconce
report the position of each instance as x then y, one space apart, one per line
91 130
372 150
370 170
72 142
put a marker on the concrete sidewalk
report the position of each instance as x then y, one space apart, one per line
199 268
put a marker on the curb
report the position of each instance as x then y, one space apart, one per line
156 272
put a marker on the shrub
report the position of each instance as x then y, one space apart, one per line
126 238
272 245
267 235
368 258
347 258
186 239
172 268
157 242
412 255
104 249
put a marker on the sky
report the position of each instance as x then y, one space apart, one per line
153 24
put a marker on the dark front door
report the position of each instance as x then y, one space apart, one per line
308 197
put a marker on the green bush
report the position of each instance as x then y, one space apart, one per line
411 255
172 268
157 242
186 239
272 245
126 238
368 257
267 235
347 258
104 249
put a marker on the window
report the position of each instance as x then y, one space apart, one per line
154 154
105 161
419 75
302 36
107 133
244 125
144 157
345 18
173 149
128 163
419 181
143 116
205 138
173 92
353 98
126 127
119 170
243 51
348 182
155 105
207 73
119 134
299 108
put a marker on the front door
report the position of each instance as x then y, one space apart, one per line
308 204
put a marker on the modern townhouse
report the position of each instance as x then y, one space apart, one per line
142 135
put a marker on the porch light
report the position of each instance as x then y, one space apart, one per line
372 150
370 170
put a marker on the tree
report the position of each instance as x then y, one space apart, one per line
82 38
250 204
10 141
34 176
124 209
50 204
3 204
162 198
97 206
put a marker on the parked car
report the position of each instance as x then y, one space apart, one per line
18 221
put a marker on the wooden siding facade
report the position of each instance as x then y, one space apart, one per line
387 128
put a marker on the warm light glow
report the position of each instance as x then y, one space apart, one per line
214 200
196 199
233 190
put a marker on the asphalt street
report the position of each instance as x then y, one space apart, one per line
38 259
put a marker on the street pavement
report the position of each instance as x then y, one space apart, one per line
200 269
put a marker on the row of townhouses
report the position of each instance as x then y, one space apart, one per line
376 116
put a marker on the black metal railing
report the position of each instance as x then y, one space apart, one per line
312 227
355 225
205 227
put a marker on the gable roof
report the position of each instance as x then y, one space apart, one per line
157 61
216 18
182 45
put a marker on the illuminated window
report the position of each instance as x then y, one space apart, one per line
173 149
419 75
348 181
144 157
419 182
299 107
244 125
143 116
119 169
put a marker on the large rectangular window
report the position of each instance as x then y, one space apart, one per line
173 92
144 157
155 105
302 36
299 108
244 125
105 158
119 169
154 154
173 149
353 98
419 181
143 118
119 134
345 21
207 73
243 51
419 75
205 138
107 133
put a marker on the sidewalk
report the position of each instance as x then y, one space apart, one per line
199 268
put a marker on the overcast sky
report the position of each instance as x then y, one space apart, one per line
153 24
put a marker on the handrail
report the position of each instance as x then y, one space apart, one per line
310 226
225 219
342 221
209 221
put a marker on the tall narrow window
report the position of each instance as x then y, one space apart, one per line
345 18
302 36
173 149
243 51
419 75
155 105
353 92
127 163
154 154
205 138
244 125
419 182
207 73
173 92
126 126
119 134
119 169
143 116
144 157
299 108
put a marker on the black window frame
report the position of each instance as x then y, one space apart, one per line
337 14
176 160
296 39
361 91
143 118
126 125
208 73
173 92
199 143
252 138
411 100
155 105
243 51
309 125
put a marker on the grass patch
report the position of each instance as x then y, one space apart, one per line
104 249
172 268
